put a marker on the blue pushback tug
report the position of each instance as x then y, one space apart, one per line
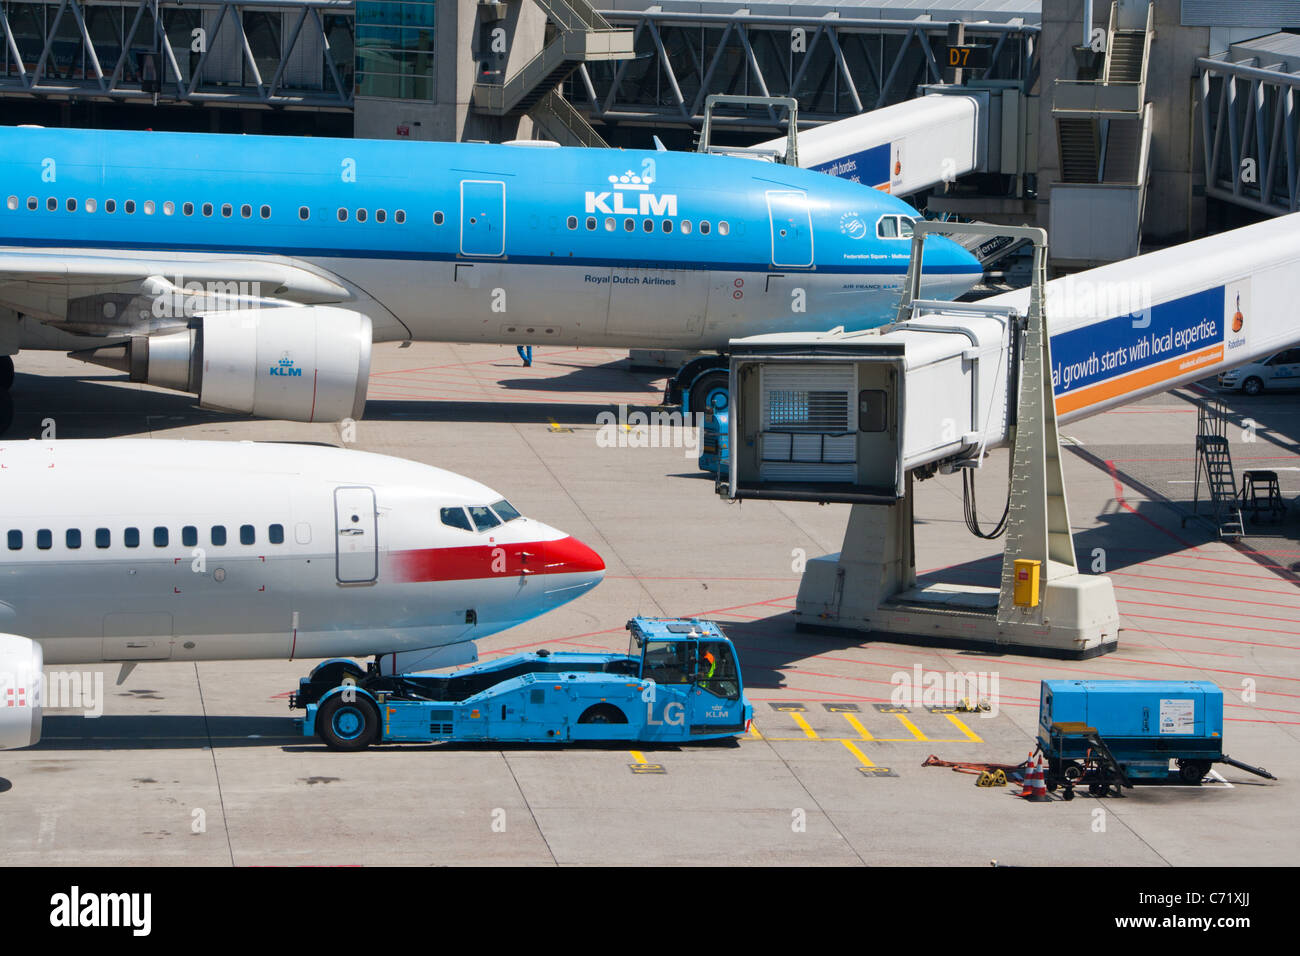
679 681
1108 734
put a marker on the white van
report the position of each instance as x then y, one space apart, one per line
1277 372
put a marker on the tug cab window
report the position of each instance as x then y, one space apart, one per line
715 670
666 662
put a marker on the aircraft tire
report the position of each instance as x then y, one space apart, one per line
6 372
709 390
6 411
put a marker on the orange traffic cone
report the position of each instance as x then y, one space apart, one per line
1027 777
1037 784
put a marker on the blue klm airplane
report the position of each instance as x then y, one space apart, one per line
256 271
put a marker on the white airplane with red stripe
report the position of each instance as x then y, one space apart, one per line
137 550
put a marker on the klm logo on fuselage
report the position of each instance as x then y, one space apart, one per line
286 368
618 200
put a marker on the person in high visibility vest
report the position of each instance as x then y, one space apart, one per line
708 664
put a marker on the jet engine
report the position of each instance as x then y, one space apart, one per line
309 364
21 663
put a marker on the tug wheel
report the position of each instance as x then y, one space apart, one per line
603 714
1193 771
348 724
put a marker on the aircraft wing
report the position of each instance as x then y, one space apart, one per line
46 283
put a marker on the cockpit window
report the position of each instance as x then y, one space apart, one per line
456 518
894 227
505 510
484 518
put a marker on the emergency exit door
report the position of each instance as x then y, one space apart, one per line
356 541
792 242
482 217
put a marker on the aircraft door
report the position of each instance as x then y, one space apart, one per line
356 538
792 239
482 217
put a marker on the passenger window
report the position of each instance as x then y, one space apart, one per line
226 210
361 215
207 209
187 209
169 208
455 518
247 535
505 510
591 223
304 213
704 227
887 227
246 211
380 215
160 537
129 207
44 540
484 518
275 534
51 204
668 225
12 202
437 218
72 539
265 212
629 225
686 227
724 228
102 538
343 214
572 222
648 225
218 534
610 224
400 216
90 205
189 536
72 205
131 537
148 207
32 203
110 206
15 540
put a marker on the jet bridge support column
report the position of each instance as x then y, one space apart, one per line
870 586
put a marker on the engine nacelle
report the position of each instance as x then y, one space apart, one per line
308 364
21 667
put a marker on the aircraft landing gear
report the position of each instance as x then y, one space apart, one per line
6 372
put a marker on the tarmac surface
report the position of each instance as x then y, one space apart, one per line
205 764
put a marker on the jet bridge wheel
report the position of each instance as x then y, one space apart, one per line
348 724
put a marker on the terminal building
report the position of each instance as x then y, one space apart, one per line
1153 123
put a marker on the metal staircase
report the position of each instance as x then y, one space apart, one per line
1103 134
1214 467
583 35
556 117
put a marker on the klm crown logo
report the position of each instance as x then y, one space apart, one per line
286 367
614 201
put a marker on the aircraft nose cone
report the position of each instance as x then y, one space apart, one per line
570 556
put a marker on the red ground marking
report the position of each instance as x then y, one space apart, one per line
1238 614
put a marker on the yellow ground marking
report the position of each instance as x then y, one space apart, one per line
804 726
853 749
753 730
915 730
961 725
857 725
638 757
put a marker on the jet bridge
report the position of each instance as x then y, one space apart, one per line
856 416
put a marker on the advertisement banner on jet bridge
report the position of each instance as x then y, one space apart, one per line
1139 350
869 167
